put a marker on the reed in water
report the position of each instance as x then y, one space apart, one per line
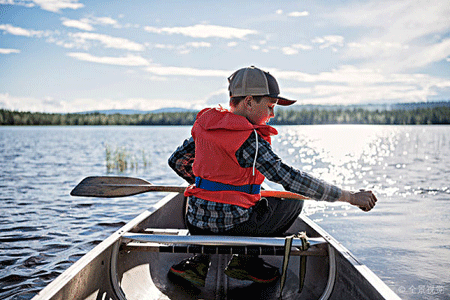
120 159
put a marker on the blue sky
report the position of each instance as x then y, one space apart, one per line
79 55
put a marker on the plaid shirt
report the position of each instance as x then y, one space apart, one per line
219 217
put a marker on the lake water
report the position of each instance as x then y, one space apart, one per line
405 239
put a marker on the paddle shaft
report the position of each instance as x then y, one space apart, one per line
111 187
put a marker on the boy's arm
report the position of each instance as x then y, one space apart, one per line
294 180
182 159
274 169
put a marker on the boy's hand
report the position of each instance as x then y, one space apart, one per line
365 200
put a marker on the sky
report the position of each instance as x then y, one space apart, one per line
76 55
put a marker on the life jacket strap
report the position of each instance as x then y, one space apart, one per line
214 186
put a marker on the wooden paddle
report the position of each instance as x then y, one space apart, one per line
119 186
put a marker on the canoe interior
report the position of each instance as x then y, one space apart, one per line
144 275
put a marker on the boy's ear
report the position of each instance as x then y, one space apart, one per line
248 101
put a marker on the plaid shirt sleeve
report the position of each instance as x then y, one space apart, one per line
182 159
293 180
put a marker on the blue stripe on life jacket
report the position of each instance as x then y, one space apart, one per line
217 186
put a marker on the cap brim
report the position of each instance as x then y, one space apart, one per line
284 101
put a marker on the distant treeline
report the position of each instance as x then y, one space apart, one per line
8 117
425 116
434 115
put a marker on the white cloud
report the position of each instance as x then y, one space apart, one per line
146 103
329 41
289 50
86 23
298 14
345 85
65 44
105 21
329 94
398 21
182 49
298 90
51 105
49 5
427 55
79 24
350 84
204 31
28 103
396 57
279 11
294 49
129 60
219 97
57 5
164 46
368 48
345 74
198 44
400 33
8 51
179 71
107 41
20 31
302 47
20 3
232 44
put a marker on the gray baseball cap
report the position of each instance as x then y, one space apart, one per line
255 82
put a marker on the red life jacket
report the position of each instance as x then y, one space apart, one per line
218 134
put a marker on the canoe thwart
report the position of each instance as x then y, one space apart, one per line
217 240
197 249
178 241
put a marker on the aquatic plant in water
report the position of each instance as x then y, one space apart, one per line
120 159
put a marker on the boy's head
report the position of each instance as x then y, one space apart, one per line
254 82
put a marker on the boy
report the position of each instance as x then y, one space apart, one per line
228 157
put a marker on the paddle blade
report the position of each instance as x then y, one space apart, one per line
110 186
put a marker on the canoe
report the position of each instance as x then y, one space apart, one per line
133 263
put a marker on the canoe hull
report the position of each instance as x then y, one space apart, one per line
110 272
